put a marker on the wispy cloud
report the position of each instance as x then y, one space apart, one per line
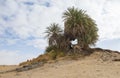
26 23
9 57
112 44
29 3
38 43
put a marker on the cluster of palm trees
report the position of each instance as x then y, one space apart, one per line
77 25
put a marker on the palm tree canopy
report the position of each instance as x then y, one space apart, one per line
52 33
74 21
78 25
53 29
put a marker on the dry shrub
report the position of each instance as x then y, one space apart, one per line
52 54
60 54
50 48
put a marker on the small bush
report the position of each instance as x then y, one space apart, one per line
60 54
53 54
50 48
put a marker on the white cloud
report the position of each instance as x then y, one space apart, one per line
33 22
112 44
38 43
11 41
9 57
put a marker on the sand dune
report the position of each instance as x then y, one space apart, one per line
89 67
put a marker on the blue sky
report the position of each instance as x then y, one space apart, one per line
23 22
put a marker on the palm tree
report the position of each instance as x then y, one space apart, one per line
73 19
53 31
78 25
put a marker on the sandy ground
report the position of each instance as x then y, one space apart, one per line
7 67
89 67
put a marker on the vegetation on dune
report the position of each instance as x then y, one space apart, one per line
77 26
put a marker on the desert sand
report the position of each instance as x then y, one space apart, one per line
88 67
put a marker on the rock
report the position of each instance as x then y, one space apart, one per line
29 67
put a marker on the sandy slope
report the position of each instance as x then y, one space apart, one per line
90 67
7 67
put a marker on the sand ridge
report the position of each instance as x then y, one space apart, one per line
94 66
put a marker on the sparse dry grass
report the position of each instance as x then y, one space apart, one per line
52 55
55 55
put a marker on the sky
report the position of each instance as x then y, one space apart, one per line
23 23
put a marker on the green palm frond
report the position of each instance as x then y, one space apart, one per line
78 25
52 32
53 29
